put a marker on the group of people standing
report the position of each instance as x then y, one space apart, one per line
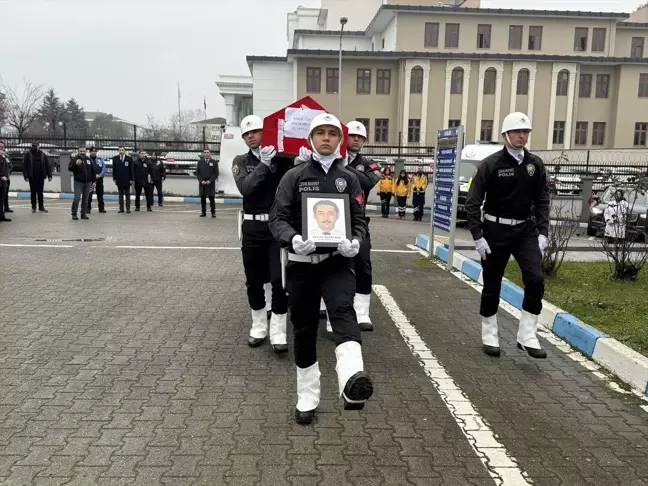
402 188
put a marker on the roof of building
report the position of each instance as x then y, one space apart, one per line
329 32
633 25
211 121
397 55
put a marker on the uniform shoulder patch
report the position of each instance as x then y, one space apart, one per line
340 184
531 169
360 198
235 169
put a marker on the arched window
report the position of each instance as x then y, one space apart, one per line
490 81
523 82
456 83
563 83
416 80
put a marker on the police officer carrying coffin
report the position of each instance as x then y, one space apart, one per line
515 222
257 175
313 272
368 174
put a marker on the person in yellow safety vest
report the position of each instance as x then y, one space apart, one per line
419 185
386 191
402 190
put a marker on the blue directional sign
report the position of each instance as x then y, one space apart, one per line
445 169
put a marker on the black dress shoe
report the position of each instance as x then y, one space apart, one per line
366 326
213 215
84 216
280 348
43 210
357 390
491 350
533 352
8 210
304 418
120 211
75 217
33 210
136 209
149 209
128 211
202 215
102 210
255 342
5 219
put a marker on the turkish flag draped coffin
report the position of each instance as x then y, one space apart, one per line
287 129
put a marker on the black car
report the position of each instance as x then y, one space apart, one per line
638 207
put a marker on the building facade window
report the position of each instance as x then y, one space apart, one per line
580 137
637 47
365 122
535 38
598 39
454 123
416 80
523 82
313 80
602 85
363 84
431 34
559 132
515 37
641 130
383 81
490 81
483 36
332 80
643 85
456 81
486 132
451 36
562 86
382 130
414 130
598 133
585 86
580 39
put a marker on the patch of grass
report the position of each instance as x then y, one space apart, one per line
585 290
424 262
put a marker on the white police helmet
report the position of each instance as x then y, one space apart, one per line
516 121
250 123
357 128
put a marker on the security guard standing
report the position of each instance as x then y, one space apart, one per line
5 202
4 181
143 173
314 272
207 172
419 186
513 183
257 175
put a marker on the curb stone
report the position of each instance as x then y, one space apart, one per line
617 358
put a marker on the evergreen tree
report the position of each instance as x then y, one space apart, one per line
51 112
75 118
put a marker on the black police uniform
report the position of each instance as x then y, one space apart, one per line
143 172
4 185
159 175
328 274
258 184
207 170
368 176
5 203
123 174
518 192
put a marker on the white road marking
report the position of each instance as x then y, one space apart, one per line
547 334
502 467
16 245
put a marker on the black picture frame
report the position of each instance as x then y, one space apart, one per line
341 230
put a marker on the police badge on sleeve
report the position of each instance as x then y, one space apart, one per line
531 169
340 184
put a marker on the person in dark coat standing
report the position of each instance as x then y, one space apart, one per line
36 168
159 175
85 177
143 180
100 169
123 175
5 203
207 174
4 181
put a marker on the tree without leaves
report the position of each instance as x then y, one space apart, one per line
22 108
180 127
559 236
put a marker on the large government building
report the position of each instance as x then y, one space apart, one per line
410 70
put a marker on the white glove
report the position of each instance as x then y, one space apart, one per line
481 245
349 249
542 242
304 155
302 247
267 154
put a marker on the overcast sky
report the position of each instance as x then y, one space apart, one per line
126 56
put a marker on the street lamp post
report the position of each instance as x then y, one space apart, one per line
343 21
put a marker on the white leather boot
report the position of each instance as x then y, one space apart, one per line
308 393
490 339
527 339
278 338
354 383
259 330
361 304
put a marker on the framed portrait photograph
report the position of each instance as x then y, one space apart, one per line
326 218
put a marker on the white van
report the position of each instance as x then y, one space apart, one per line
471 156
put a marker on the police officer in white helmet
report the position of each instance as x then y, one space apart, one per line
512 185
257 175
314 271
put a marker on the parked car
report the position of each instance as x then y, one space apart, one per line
637 220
